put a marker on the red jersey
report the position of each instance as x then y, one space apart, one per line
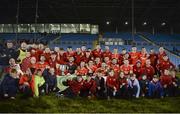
115 67
148 71
134 57
122 82
165 65
143 58
115 56
89 85
153 58
97 53
25 64
107 54
70 54
75 86
93 68
126 69
111 82
47 56
29 80
82 71
120 61
166 80
41 66
78 58
160 56
137 71
52 63
62 59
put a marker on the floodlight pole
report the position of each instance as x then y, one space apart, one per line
17 19
132 19
36 18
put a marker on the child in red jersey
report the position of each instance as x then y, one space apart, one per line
26 83
122 86
111 83
89 87
175 84
166 82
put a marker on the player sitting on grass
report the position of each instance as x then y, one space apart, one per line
155 89
26 83
75 85
111 83
50 79
9 85
144 83
122 86
133 86
39 86
88 88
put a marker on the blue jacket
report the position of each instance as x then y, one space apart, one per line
155 87
49 79
9 84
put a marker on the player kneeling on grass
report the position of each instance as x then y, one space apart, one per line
50 80
39 83
166 82
155 89
26 83
144 84
133 86
88 88
176 83
75 85
9 85
111 83
122 86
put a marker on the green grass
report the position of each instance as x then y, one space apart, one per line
64 105
54 104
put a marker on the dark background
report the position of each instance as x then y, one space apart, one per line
154 12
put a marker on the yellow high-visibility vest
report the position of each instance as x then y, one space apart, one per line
22 55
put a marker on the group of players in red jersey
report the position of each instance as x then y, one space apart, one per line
108 74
